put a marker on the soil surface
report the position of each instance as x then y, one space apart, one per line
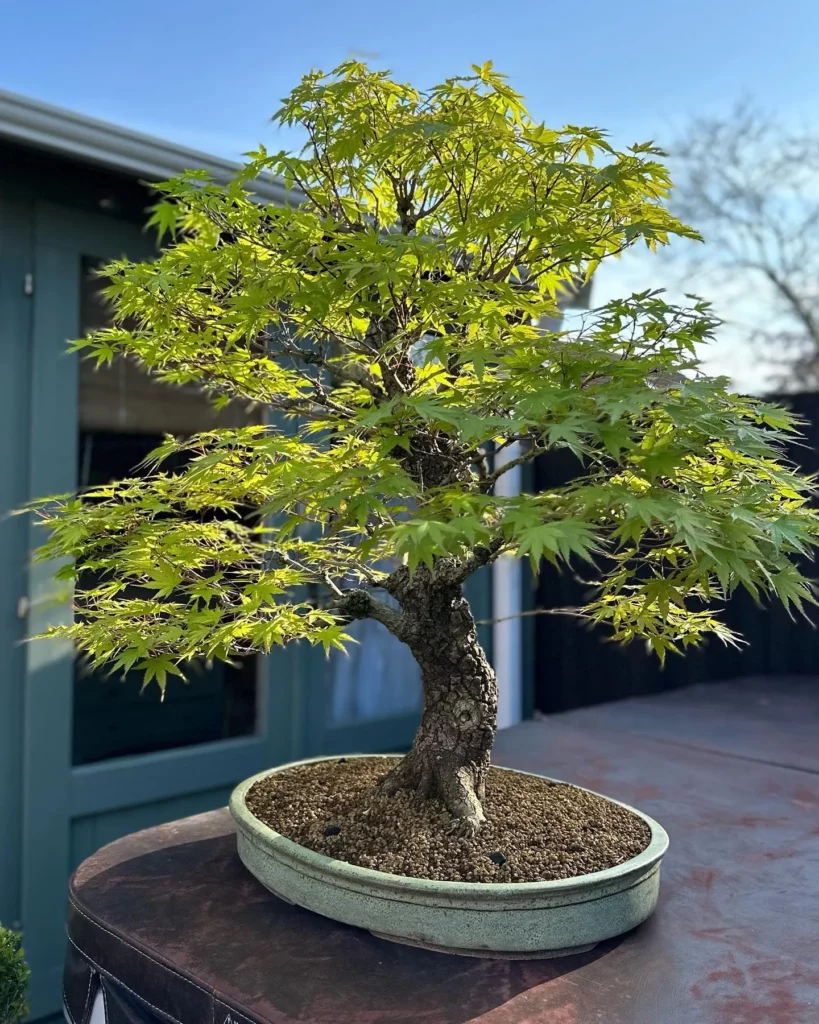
535 830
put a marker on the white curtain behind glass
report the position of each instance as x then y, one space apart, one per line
377 678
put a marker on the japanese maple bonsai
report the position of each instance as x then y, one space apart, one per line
390 320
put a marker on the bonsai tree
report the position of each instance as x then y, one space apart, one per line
388 320
14 975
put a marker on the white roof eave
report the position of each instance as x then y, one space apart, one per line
32 123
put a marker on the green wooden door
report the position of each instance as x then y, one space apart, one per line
98 761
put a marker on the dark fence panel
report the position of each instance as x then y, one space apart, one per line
576 665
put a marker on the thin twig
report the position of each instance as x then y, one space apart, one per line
577 613
490 480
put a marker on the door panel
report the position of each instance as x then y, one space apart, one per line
88 834
49 668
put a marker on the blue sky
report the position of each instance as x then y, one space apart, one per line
208 74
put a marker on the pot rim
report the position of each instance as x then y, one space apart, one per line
306 859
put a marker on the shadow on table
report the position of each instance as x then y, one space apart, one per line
196 907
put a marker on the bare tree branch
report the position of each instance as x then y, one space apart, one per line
750 185
490 479
576 613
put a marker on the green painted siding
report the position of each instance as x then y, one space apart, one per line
24 175
90 833
49 667
15 330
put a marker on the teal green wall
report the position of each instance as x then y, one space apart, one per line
15 312
88 834
25 178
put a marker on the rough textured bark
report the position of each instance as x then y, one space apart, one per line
450 755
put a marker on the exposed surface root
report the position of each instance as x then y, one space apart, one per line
457 787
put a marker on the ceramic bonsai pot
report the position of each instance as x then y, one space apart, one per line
521 920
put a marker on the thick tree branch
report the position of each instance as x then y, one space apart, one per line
452 571
804 314
488 482
359 604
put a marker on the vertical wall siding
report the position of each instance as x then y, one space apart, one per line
89 833
15 328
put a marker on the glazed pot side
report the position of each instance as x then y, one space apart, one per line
475 918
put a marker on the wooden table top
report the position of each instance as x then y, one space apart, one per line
177 928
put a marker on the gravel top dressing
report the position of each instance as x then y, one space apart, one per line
535 830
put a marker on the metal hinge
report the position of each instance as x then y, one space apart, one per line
28 284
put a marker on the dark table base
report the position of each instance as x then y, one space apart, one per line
172 925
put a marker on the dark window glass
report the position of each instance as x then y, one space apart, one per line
122 416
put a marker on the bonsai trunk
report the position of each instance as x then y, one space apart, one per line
450 754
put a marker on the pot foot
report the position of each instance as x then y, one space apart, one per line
278 895
486 954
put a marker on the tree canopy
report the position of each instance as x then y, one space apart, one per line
389 319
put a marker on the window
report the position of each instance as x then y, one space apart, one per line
123 414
